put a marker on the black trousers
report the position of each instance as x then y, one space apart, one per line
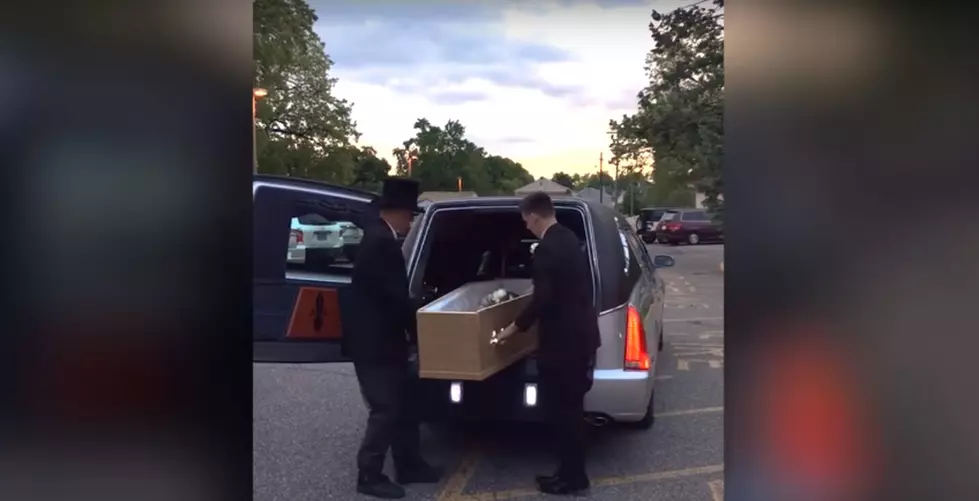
392 421
563 387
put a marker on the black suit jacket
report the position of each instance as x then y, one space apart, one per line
381 325
562 302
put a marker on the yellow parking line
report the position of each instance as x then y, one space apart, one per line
456 483
716 490
602 482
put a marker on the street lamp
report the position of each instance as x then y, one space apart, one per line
257 94
410 157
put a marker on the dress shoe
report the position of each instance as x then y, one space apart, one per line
418 472
546 479
379 486
564 487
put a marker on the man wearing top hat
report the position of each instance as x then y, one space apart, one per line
378 335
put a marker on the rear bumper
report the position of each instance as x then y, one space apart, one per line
616 394
319 252
620 395
670 237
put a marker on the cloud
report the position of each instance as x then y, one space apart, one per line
457 96
516 140
533 81
426 49
392 45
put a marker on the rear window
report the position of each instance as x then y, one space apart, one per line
696 215
651 214
668 216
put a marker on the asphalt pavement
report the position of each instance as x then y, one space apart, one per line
309 419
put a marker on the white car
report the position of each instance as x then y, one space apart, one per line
351 236
314 240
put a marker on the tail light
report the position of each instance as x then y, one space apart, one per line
636 354
298 235
672 226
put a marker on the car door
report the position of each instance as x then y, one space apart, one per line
657 286
648 307
298 302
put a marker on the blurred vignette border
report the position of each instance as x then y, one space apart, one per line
125 139
849 317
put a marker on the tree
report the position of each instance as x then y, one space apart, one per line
680 113
369 171
603 180
302 128
440 156
563 179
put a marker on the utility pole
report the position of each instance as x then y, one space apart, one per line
616 190
601 180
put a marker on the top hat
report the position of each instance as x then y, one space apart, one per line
399 193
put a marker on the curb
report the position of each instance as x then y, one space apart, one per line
722 266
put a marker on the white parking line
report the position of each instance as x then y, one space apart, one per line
698 319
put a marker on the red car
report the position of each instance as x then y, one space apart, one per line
692 226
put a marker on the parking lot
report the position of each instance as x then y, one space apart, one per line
309 419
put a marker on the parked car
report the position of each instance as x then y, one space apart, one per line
442 252
351 236
314 239
647 222
692 226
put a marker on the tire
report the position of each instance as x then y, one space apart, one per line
659 346
693 239
648 419
350 254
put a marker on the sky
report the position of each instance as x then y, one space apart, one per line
536 81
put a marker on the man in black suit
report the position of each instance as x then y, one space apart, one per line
380 331
567 326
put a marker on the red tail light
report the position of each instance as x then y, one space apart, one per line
672 226
299 236
636 354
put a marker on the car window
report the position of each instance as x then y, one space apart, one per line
632 271
642 254
668 216
321 246
695 215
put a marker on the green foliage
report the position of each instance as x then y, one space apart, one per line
302 128
441 155
564 179
679 120
596 181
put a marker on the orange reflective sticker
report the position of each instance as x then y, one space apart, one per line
316 315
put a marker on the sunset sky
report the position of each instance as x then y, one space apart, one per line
535 81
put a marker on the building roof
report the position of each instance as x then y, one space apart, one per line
437 196
545 185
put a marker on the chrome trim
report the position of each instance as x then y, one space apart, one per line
589 235
621 375
325 191
613 310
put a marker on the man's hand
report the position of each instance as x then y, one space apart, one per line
508 331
